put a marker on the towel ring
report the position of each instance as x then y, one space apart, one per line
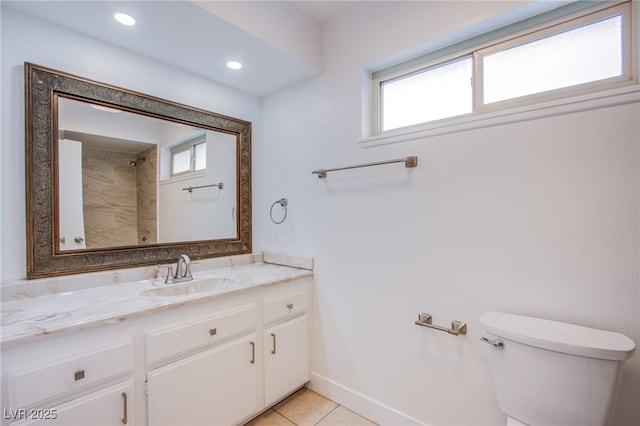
283 202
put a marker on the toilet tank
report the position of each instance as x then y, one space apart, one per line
554 373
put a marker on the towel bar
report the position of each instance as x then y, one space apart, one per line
457 327
191 188
409 162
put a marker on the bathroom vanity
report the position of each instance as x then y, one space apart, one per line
122 347
216 350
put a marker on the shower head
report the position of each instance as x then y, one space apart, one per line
134 163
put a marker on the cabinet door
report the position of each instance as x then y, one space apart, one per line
113 406
286 358
215 387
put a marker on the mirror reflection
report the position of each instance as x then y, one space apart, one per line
128 179
140 183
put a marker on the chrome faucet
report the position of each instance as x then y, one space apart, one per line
183 271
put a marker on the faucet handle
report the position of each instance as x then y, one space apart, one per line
183 267
169 272
187 272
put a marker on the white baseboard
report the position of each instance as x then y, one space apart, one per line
363 405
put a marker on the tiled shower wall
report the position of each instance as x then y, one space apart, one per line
111 198
147 195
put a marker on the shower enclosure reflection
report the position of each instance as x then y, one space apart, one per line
116 186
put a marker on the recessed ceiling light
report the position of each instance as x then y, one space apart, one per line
124 19
234 65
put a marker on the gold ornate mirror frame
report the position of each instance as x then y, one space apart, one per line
42 88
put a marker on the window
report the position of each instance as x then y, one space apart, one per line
502 69
581 55
189 157
430 94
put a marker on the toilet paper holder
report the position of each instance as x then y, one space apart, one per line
457 327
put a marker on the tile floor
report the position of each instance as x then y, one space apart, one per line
307 408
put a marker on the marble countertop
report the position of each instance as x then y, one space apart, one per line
26 318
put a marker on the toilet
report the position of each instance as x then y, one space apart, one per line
549 373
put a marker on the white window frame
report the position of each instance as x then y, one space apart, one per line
487 44
190 146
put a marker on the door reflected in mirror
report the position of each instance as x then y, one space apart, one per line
124 179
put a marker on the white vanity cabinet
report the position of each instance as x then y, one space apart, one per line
222 369
214 386
70 384
107 407
217 361
286 344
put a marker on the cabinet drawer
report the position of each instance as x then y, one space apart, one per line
114 405
42 382
170 341
285 306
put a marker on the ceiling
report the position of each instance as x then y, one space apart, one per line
323 11
193 37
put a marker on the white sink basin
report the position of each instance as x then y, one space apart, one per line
208 285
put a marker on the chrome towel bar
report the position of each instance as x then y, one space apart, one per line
409 162
191 188
457 327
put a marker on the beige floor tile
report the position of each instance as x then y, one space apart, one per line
270 418
305 407
343 417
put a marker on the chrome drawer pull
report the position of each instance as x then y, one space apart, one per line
124 408
78 375
274 343
213 331
253 352
290 306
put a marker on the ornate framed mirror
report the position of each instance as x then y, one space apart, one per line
117 178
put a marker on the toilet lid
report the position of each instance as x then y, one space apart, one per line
559 336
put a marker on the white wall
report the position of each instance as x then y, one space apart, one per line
538 218
204 213
32 40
